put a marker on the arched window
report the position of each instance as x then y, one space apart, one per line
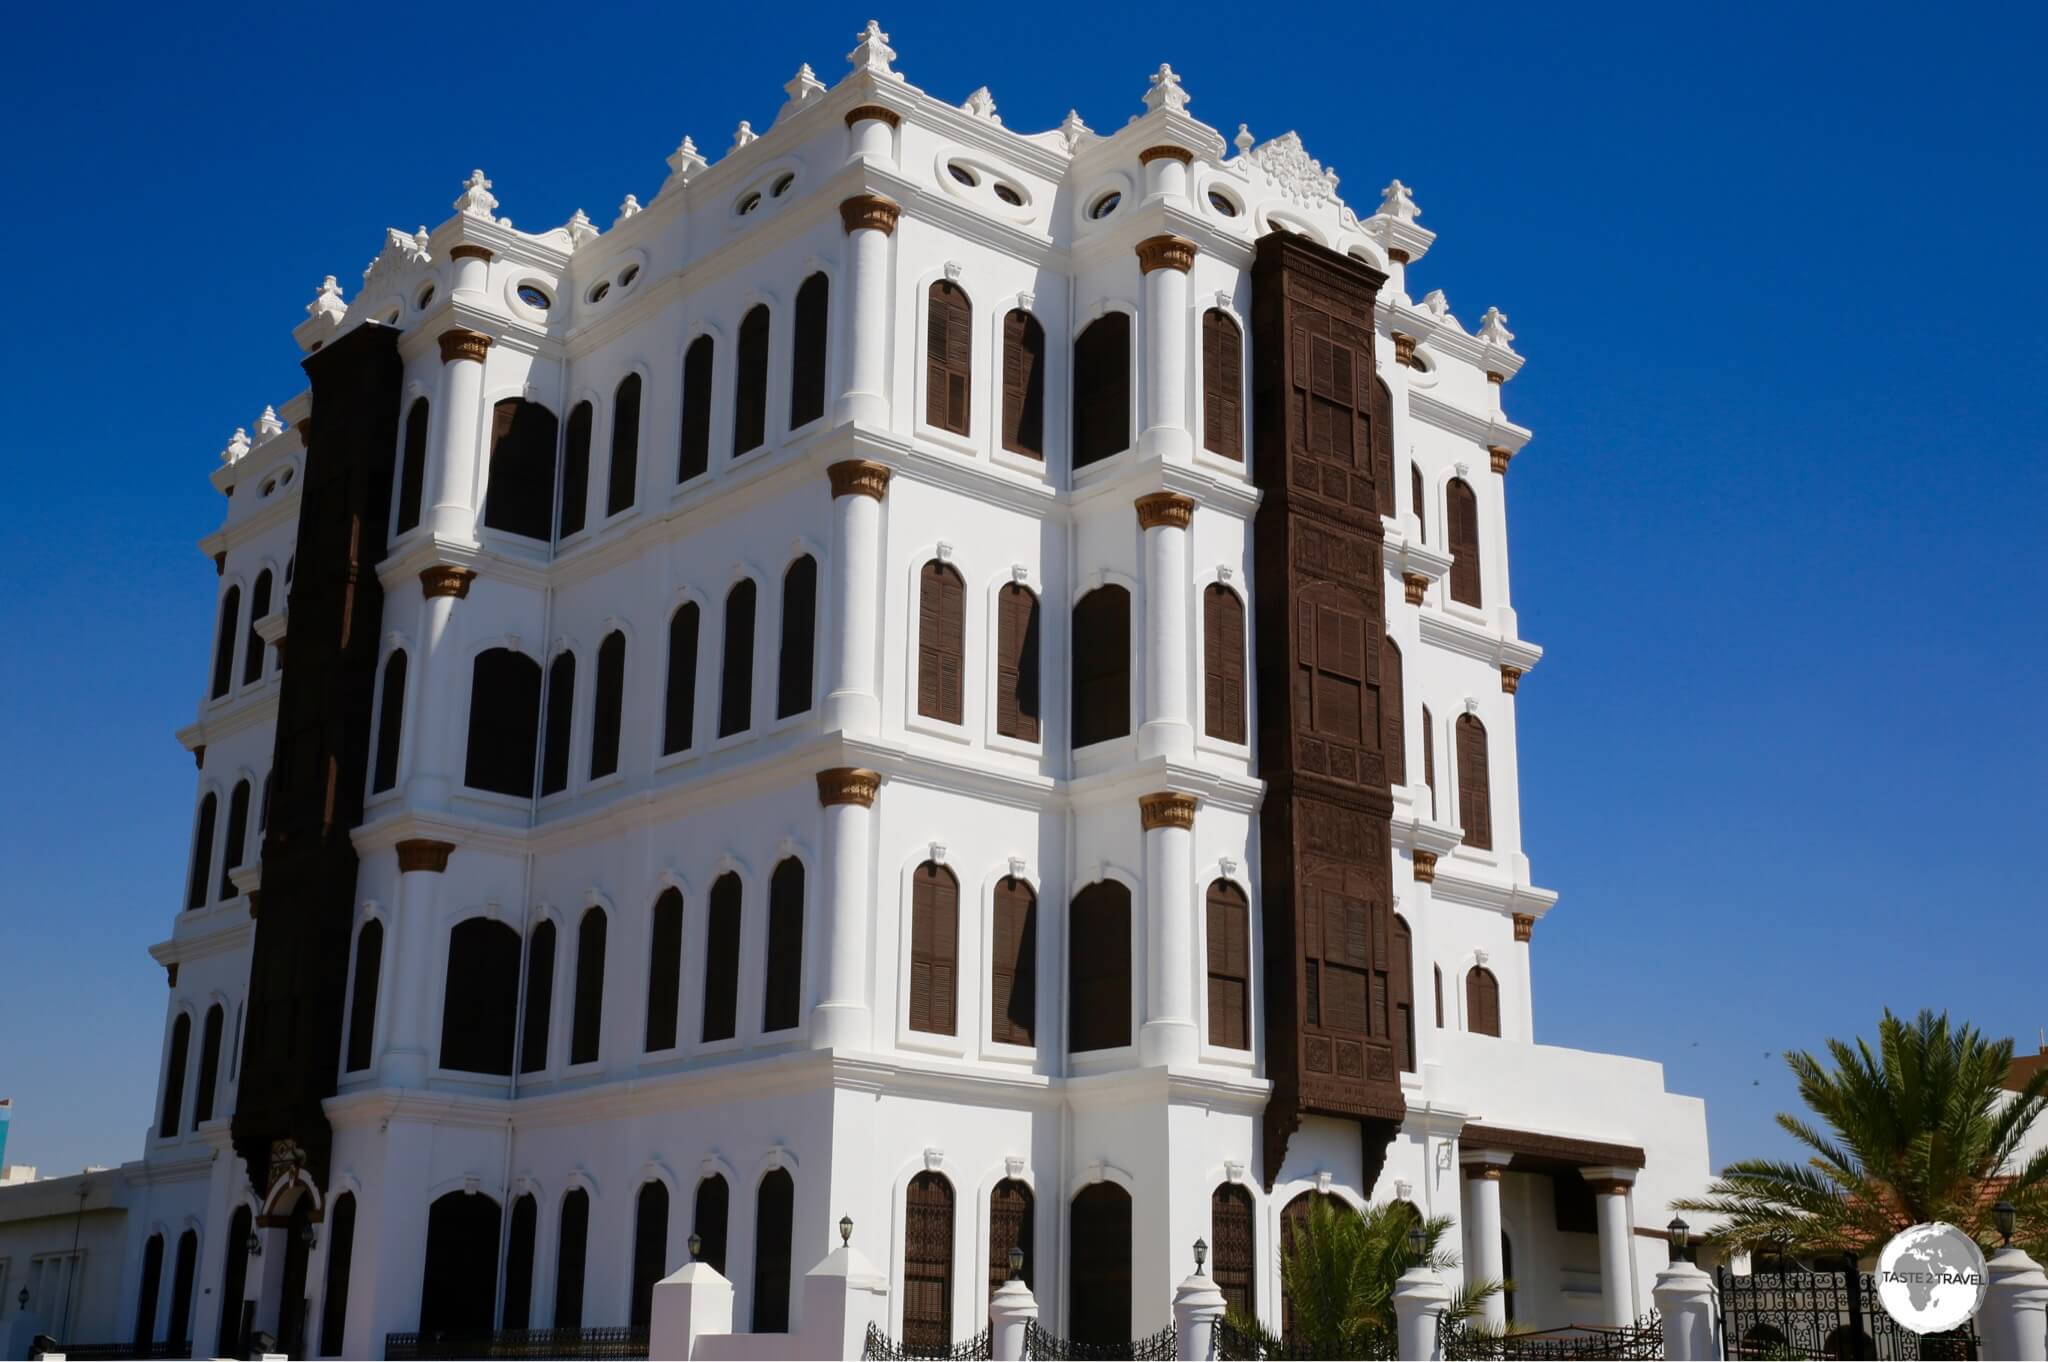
412 466
1223 664
1482 1001
695 455
941 642
708 1220
1230 966
1099 1264
1331 666
362 1004
665 970
1010 1216
807 352
1475 794
722 959
679 702
540 999
783 992
1429 758
174 1076
519 490
750 393
650 1249
209 1064
1102 665
736 679
1222 385
1294 1221
1102 389
575 470
1013 964
390 724
1415 501
1403 999
1461 512
480 1002
570 1253
558 724
202 852
1230 1230
459 1282
1023 384
934 949
928 1263
611 700
799 636
1017 705
948 357
1393 736
1381 435
180 1330
1099 968
504 719
237 846
152 1283
586 1026
341 1245
625 466
253 647
224 642
1439 970
519 1244
234 1280
774 1208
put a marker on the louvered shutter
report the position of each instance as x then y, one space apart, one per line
1429 759
949 353
1017 663
1482 1001
1475 795
934 949
1382 437
1228 919
1223 664
1393 733
1222 385
1023 384
941 642
1415 501
1013 1000
1461 509
1403 973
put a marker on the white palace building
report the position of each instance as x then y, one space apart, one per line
957 678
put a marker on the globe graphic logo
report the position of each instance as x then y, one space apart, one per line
1930 1278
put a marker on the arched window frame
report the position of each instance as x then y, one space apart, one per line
371 917
610 701
783 995
1016 452
774 1248
1225 407
691 700
929 1194
588 970
510 646
237 847
754 350
1217 729
622 464
1479 979
562 682
731 706
935 712
395 646
956 424
1462 580
540 984
174 1084
1132 707
718 900
800 344
209 1086
1472 760
703 423
205 838
532 520
579 435
1030 665
263 602
1213 1050
226 642
796 647
950 1040
1076 392
456 919
415 439
1133 904
665 970
997 1046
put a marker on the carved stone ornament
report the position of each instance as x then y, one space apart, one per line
1501 456
1397 203
582 231
982 104
1404 349
1166 91
1413 584
1525 926
742 135
803 87
1151 154
684 162
445 579
1166 810
476 199
1510 679
1294 172
422 853
872 53
469 253
1493 328
870 211
875 113
1073 131
1166 253
327 302
859 478
849 785
1168 510
268 425
1425 866
462 343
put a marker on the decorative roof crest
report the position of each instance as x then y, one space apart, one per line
872 53
238 447
476 199
1294 172
1493 329
1244 139
683 162
742 135
581 231
1073 131
327 302
1397 203
629 209
803 87
268 425
1166 91
982 104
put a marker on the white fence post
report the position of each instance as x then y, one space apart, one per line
1685 1299
843 1294
1198 1307
689 1303
1010 1310
1419 1300
2014 1319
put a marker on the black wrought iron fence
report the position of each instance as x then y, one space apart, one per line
1643 1339
879 1347
533 1344
92 1352
1823 1314
1039 1344
1230 1344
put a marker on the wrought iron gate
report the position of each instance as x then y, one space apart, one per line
1822 1314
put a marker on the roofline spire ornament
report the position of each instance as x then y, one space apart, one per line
1166 91
803 87
476 199
580 229
238 447
628 209
1398 203
872 53
982 104
327 302
267 424
742 135
1073 131
683 162
1493 329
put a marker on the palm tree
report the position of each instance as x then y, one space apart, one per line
1922 1129
1339 1275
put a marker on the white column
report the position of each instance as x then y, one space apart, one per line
1169 1035
2015 1315
873 129
1483 1169
1685 1299
852 700
842 1018
1617 1242
1010 1310
440 677
1198 1307
450 490
266 1276
869 220
472 268
405 1061
1166 172
1420 1296
1168 729
1165 261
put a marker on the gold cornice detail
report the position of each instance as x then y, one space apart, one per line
859 478
1413 584
870 211
1151 154
875 112
1425 866
1166 253
1167 809
1397 255
849 785
423 853
462 343
1168 509
445 579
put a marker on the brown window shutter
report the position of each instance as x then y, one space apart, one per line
1461 510
1229 938
1429 760
1017 663
1403 987
1230 1229
1482 1001
1099 968
1023 384
1382 436
1415 501
934 949
1013 964
807 356
783 992
928 1264
1102 389
1223 664
1393 734
625 466
1475 796
949 352
1222 385
941 642
750 397
695 453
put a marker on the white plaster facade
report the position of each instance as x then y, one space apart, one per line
853 1102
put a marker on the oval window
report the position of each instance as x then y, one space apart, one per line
1222 203
747 204
1105 205
962 174
628 275
534 298
782 185
597 294
1009 195
426 296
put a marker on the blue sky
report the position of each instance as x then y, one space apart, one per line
1775 269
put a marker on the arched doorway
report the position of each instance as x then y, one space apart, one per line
459 1280
1099 1251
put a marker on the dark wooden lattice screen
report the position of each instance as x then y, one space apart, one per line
928 1263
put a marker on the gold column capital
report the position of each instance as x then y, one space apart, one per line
445 579
1413 584
1167 809
462 343
1151 154
1166 253
1168 509
849 785
423 853
871 211
859 478
1425 866
875 112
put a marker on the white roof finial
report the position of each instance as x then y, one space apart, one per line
1397 203
476 200
581 232
1436 303
238 447
872 53
1166 92
982 104
742 135
1493 329
267 424
685 161
1244 139
327 302
629 209
1072 130
803 87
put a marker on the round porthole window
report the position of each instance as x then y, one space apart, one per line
628 275
747 204
962 174
1009 195
1222 203
1105 205
284 479
599 290
426 296
782 185
533 297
